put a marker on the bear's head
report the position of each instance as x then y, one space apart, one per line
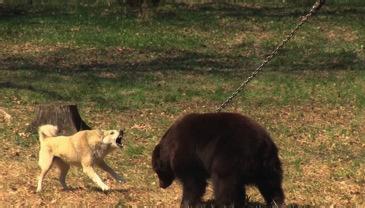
162 168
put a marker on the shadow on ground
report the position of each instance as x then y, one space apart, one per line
251 204
72 62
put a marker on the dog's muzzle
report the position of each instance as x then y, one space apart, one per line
119 139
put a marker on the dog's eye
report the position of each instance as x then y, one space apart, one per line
111 133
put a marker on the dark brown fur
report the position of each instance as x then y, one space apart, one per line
229 148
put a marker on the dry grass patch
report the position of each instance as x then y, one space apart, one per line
315 172
341 33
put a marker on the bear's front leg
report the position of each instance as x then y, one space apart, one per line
193 190
228 191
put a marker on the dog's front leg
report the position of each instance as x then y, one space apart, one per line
102 164
89 171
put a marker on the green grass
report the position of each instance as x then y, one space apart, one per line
140 90
224 35
142 75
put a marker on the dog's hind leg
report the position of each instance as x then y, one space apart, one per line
45 163
89 171
102 164
63 168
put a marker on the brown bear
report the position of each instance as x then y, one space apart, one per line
230 149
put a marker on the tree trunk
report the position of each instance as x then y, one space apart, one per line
66 117
123 7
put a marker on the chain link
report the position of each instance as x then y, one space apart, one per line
268 58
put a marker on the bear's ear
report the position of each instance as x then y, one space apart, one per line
157 150
156 161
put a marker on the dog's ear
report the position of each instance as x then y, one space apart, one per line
99 132
103 136
104 133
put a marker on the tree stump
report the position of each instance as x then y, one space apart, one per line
5 115
65 116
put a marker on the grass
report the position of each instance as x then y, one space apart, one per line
142 75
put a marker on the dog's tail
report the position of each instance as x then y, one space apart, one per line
47 130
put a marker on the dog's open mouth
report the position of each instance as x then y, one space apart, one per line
119 138
119 141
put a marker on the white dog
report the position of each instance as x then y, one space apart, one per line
85 149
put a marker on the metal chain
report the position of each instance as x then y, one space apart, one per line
315 8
